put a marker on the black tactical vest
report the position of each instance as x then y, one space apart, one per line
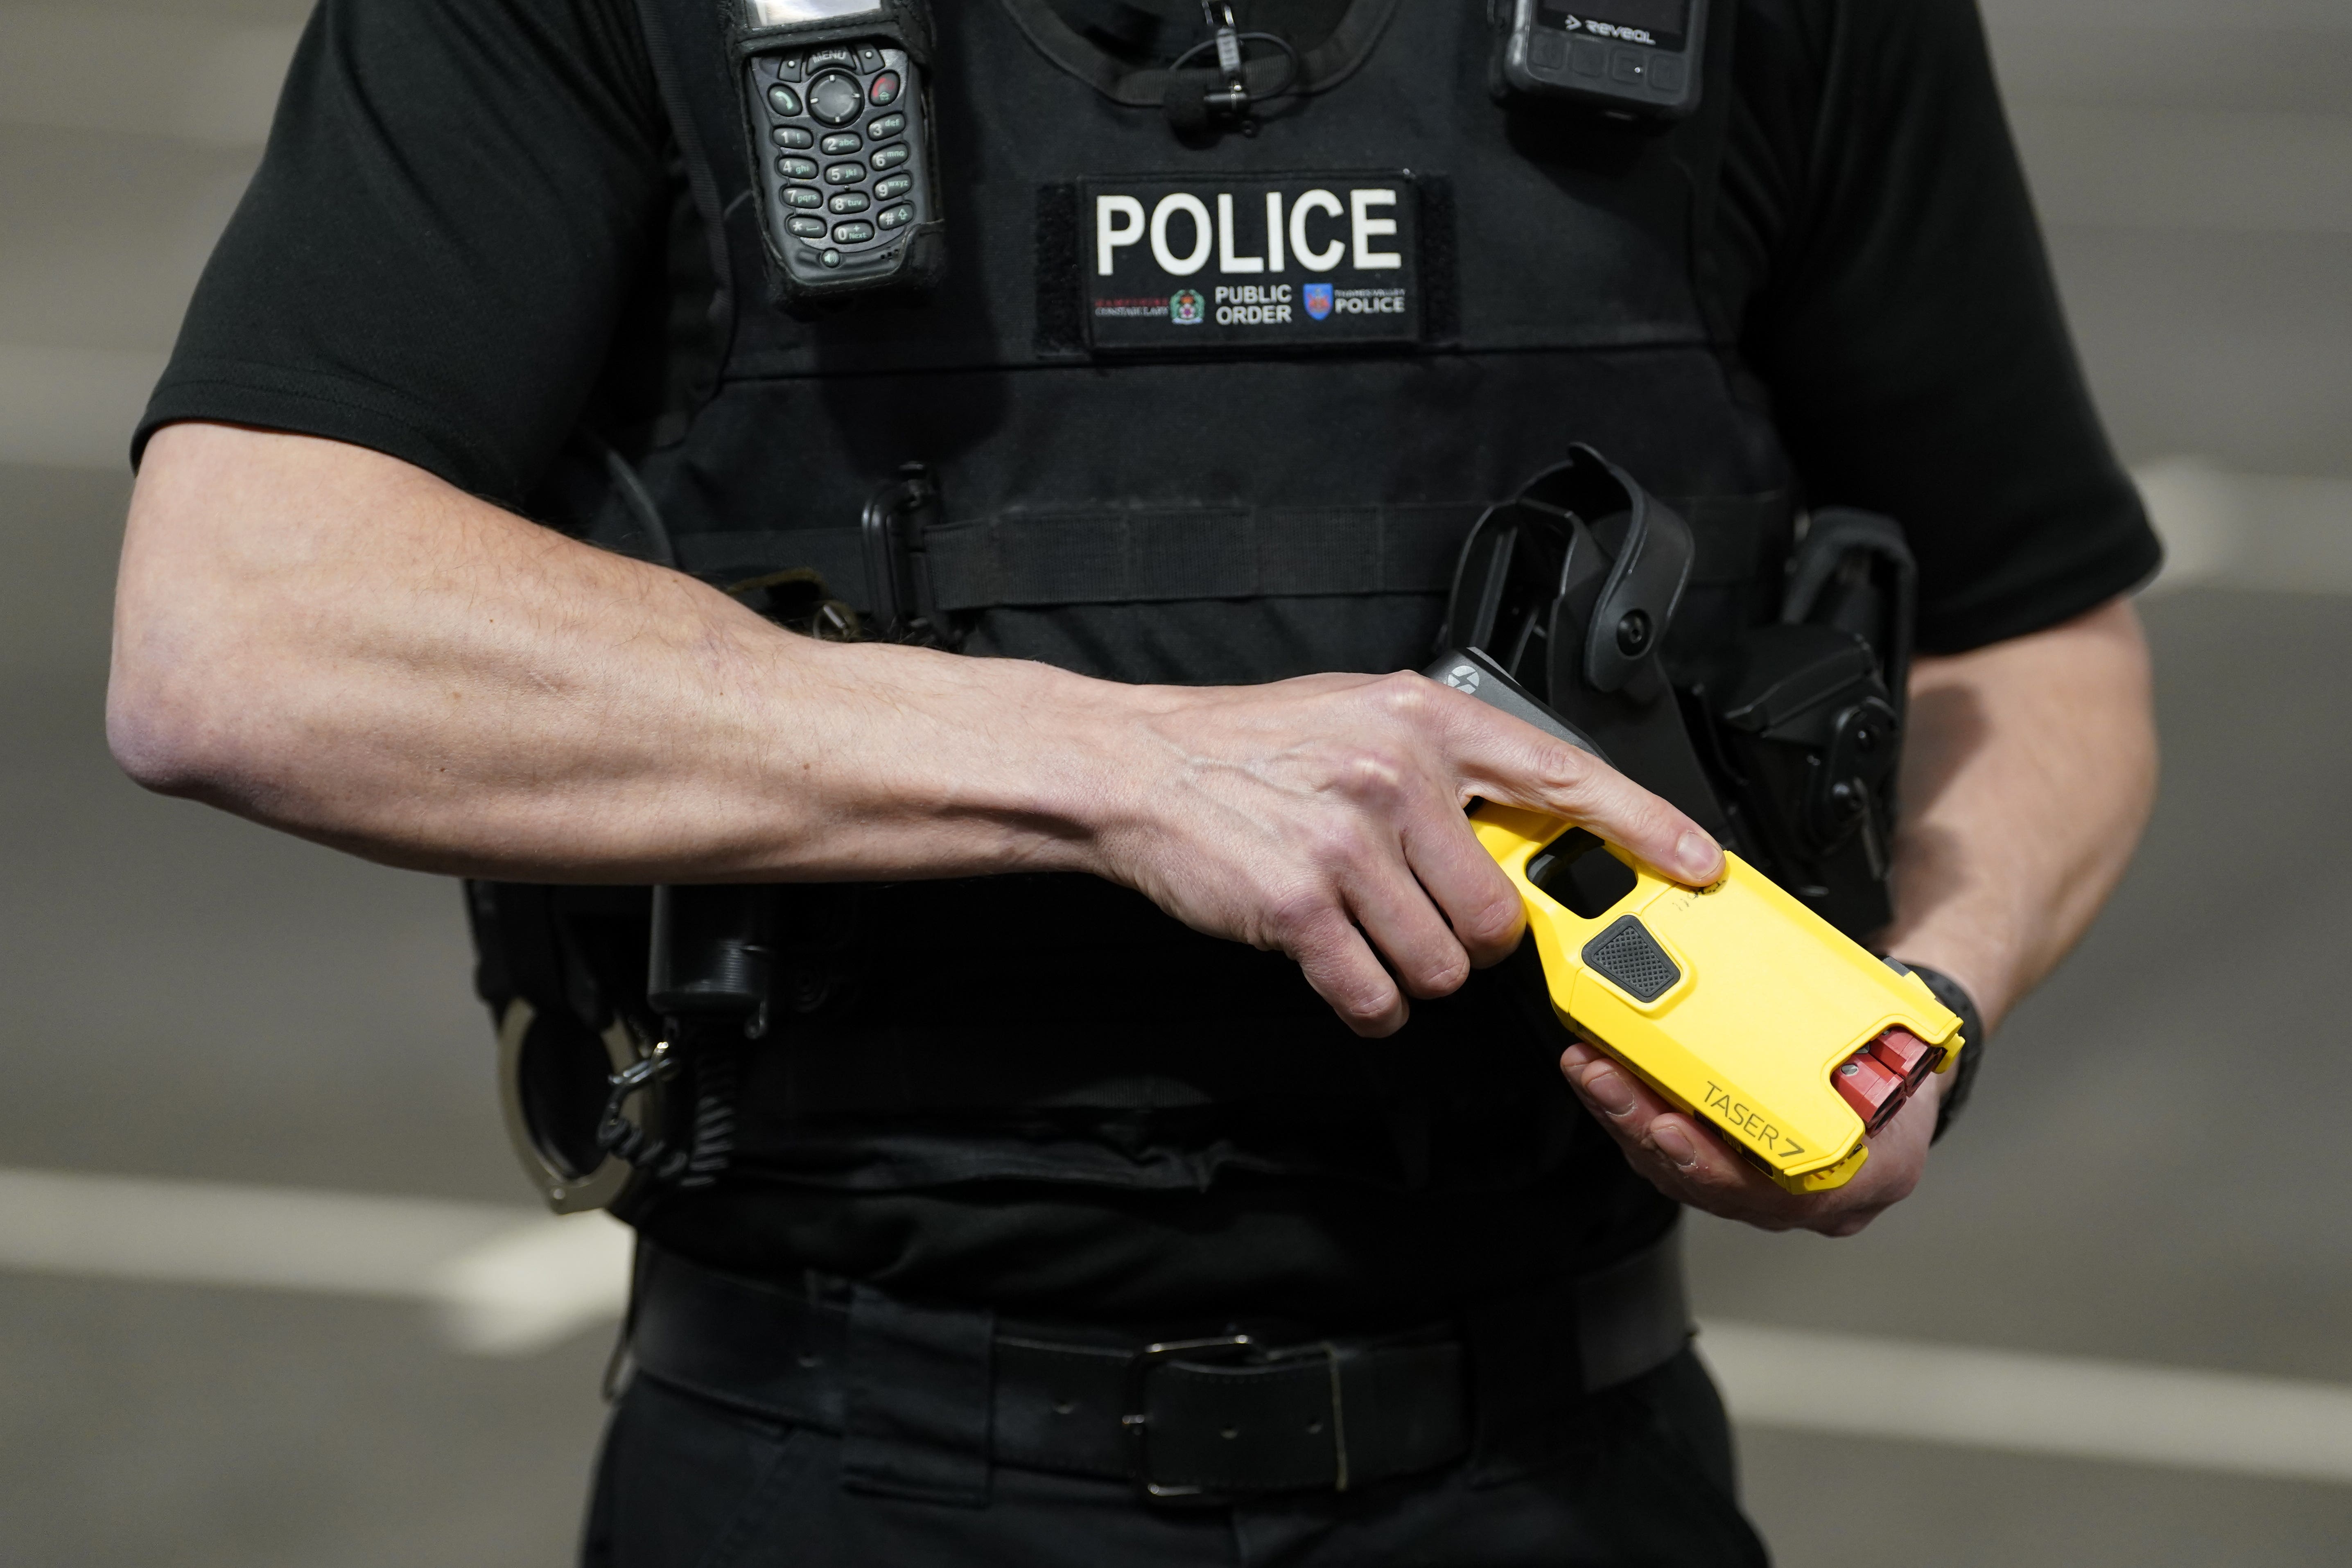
1125 501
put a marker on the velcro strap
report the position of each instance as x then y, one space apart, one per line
1142 555
1155 555
1130 556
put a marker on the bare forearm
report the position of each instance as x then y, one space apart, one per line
2028 777
506 700
337 644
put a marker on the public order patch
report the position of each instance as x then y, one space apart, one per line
1258 261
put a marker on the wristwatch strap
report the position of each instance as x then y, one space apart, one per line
1954 996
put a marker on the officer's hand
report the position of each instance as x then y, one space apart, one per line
1684 1159
1322 818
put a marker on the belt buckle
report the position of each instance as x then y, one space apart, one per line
1137 1423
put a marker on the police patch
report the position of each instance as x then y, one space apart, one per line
1275 261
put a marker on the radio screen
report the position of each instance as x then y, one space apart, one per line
1659 23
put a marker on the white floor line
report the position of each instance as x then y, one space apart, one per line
503 1281
2270 531
508 1281
2063 1405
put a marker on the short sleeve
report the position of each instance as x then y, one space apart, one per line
1912 337
455 198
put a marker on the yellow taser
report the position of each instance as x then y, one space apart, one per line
1734 1001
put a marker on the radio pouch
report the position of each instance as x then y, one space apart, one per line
836 111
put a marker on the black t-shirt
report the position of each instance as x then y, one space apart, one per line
461 244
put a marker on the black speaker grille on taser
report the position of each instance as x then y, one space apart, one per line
1629 957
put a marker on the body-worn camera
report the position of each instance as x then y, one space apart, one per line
838 110
1638 59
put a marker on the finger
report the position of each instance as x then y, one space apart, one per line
1395 913
1511 761
1898 1157
1625 1106
1714 1174
1691 1162
1680 1156
1339 964
1479 903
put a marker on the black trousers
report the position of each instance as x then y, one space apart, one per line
683 1483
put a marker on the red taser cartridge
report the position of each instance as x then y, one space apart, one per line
1873 1091
1902 1054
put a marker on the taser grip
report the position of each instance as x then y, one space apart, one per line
1734 1001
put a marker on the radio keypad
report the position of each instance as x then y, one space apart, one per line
834 97
824 116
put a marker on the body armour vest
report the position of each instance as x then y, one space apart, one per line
1152 469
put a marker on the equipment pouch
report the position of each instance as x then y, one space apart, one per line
1808 733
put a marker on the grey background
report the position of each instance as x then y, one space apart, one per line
2152 1171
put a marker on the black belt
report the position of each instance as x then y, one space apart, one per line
929 1398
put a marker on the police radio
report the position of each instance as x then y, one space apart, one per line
837 112
1631 58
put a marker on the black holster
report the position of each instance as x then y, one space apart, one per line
1785 746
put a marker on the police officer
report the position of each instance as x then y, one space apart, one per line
1136 1147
